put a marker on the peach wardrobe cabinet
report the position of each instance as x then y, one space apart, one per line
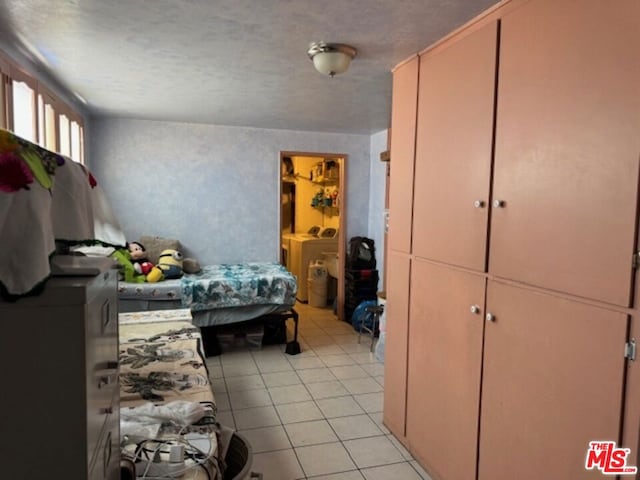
511 295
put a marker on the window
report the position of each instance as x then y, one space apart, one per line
31 111
4 78
50 131
65 136
75 142
47 126
23 102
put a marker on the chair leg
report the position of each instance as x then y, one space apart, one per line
293 347
373 330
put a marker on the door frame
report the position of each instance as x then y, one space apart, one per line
341 159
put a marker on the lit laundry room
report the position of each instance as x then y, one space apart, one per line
310 225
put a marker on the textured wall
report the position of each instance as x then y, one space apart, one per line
215 188
378 175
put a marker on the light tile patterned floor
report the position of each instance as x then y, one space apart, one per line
316 415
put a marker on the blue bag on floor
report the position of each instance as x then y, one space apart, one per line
361 315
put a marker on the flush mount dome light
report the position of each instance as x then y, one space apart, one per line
331 58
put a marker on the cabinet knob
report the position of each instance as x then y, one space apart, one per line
475 309
478 204
498 203
490 317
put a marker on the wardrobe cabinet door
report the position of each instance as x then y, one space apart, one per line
552 381
453 150
403 136
445 358
567 147
395 356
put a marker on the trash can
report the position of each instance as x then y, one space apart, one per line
317 282
239 459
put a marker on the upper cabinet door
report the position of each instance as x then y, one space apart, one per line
403 141
567 147
453 150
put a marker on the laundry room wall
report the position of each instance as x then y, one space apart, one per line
306 214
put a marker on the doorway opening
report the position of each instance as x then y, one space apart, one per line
312 225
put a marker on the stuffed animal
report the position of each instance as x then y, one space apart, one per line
139 258
169 266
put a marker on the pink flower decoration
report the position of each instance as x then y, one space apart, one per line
14 173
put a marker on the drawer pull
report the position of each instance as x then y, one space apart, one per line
106 315
107 456
112 365
104 381
106 410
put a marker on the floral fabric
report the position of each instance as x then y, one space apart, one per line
45 198
235 285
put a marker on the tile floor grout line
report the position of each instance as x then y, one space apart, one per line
326 355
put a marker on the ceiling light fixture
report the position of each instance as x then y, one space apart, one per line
331 58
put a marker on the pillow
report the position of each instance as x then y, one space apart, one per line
93 250
155 245
190 265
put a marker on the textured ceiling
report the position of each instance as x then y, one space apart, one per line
234 62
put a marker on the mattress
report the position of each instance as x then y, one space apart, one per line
218 295
166 290
162 364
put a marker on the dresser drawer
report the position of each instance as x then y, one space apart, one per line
102 359
105 464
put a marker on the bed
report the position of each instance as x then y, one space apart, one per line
162 365
221 295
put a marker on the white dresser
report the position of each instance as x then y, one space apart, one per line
59 412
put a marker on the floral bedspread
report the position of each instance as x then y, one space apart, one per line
161 362
235 285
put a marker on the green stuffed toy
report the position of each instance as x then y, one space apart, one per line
127 269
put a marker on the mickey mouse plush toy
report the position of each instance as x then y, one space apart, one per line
139 258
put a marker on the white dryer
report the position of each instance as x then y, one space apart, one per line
303 250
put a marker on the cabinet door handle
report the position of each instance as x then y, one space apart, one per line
105 380
106 316
499 203
490 317
106 458
478 204
475 309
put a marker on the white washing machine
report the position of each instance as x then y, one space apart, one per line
301 252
